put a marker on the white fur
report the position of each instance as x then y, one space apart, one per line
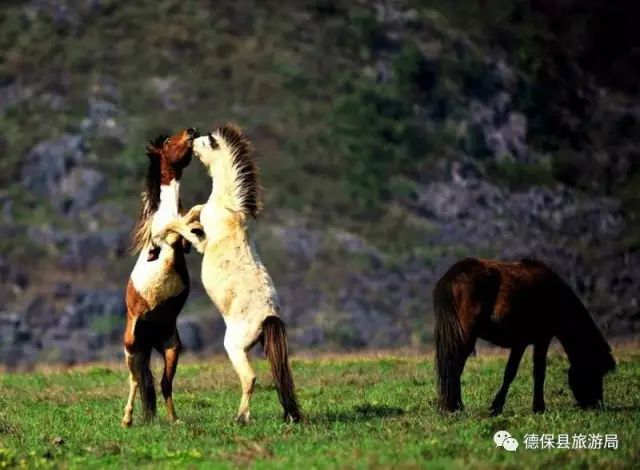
231 266
169 207
156 280
232 273
227 189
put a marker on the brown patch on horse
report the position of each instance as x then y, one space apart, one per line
229 297
234 224
137 306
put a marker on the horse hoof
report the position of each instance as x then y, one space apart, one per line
126 423
451 408
539 409
495 412
242 419
292 419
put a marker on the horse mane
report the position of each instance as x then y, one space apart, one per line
150 197
238 179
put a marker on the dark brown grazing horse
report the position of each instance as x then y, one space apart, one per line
514 305
159 283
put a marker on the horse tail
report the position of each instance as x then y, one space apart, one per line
450 343
147 387
275 347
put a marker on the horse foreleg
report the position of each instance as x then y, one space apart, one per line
193 214
171 352
509 374
540 350
192 232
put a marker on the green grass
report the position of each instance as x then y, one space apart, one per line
361 412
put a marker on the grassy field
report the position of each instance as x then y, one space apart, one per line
376 411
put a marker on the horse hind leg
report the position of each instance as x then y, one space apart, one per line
509 374
455 341
237 348
456 368
171 353
540 350
134 380
133 365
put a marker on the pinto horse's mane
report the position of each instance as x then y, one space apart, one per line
237 180
150 198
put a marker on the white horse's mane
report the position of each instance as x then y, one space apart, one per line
235 173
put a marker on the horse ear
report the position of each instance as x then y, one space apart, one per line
154 148
152 151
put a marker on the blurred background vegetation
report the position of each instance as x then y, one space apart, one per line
353 107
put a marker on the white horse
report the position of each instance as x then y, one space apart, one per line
232 273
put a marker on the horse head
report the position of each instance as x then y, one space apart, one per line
173 153
586 380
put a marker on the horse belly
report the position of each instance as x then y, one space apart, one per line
157 281
508 331
159 324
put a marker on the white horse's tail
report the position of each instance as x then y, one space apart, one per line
275 346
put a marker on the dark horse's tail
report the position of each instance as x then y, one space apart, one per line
449 340
147 387
275 347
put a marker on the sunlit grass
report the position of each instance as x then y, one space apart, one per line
376 411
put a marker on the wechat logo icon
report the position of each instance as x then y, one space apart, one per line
503 439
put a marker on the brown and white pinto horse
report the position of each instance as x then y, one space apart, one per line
159 283
513 305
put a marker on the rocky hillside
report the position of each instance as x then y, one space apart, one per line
394 137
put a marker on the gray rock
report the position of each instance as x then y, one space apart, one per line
83 249
9 326
12 275
101 302
54 170
298 241
80 189
62 290
46 164
443 201
505 136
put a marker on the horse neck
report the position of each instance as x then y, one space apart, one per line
227 190
578 333
221 222
169 205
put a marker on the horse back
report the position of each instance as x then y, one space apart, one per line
504 302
